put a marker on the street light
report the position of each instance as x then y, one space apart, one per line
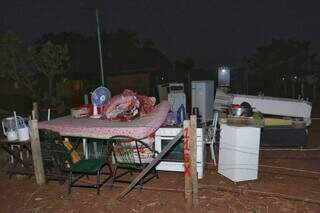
224 76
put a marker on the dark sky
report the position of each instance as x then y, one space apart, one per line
210 31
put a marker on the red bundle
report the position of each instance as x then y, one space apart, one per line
127 106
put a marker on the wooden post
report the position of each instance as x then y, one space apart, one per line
36 152
35 111
186 160
193 159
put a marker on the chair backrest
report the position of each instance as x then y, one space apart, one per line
98 149
53 150
214 125
131 152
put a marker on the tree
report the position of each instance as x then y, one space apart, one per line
51 60
83 53
16 62
122 52
126 52
278 64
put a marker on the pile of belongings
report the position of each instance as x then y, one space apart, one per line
145 155
127 106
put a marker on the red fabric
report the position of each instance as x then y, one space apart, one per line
146 104
127 106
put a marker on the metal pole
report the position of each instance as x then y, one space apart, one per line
99 45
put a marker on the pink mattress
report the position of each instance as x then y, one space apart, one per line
97 128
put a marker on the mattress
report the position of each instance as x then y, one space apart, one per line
97 128
284 137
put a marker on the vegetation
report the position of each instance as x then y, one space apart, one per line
122 52
26 66
16 62
281 66
40 66
51 60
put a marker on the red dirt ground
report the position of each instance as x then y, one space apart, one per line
23 195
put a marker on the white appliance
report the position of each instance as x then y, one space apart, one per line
176 96
222 100
277 106
203 98
174 160
239 152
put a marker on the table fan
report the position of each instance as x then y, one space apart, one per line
99 97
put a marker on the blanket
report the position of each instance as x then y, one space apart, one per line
127 106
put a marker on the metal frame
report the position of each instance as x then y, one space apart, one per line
135 165
61 160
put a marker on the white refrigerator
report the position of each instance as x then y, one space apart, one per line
202 96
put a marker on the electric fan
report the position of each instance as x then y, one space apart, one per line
99 97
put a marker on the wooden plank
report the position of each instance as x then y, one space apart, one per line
35 111
187 163
193 158
150 165
36 152
243 122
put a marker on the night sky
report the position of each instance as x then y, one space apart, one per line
211 32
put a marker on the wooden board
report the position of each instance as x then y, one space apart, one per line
187 163
242 121
193 158
36 152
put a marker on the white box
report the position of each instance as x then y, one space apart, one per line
203 98
239 152
169 134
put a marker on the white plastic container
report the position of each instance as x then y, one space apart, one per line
239 152
23 134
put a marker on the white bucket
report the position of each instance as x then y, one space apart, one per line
23 134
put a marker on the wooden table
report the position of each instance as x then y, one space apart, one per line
20 154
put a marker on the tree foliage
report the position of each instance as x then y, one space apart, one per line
51 60
16 62
126 52
23 64
282 60
83 53
122 51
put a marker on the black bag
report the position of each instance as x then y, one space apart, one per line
247 109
